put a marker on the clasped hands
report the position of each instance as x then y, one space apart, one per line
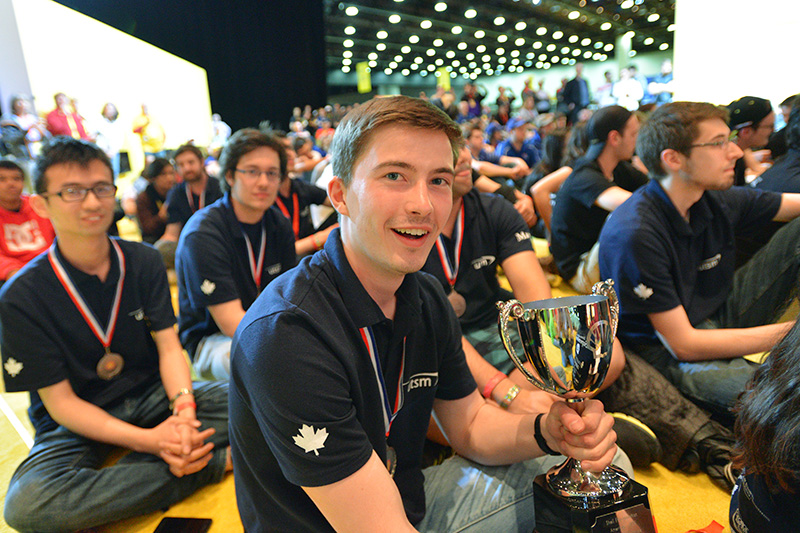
180 443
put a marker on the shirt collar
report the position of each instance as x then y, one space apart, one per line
699 213
363 309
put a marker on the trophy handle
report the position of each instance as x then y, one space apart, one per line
606 288
517 310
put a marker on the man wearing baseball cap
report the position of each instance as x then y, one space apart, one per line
752 121
517 144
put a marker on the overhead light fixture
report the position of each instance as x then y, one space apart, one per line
576 52
425 24
499 20
380 47
347 62
541 30
456 30
439 62
348 43
626 4
537 45
501 60
405 72
438 42
648 41
430 52
347 54
502 38
558 34
608 47
405 49
470 56
372 55
398 58
573 15
480 49
573 38
652 17
587 54
462 45
394 19
519 42
550 47
631 53
414 66
345 69
351 11
440 6
514 53
470 13
521 25
393 65
605 26
450 54
499 51
383 34
413 39
480 34
630 34
564 49
663 46
586 42
373 64
349 30
671 27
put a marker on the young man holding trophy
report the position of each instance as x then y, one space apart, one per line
338 364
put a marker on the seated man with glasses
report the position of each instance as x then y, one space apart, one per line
88 328
229 251
671 251
752 121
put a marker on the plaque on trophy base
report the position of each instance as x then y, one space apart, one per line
628 513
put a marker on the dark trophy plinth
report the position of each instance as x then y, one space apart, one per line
567 344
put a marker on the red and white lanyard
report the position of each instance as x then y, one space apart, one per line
201 201
389 414
451 271
103 335
256 267
295 213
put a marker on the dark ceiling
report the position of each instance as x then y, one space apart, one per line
529 35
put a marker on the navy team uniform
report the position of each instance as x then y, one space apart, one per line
180 208
213 265
45 340
659 261
493 232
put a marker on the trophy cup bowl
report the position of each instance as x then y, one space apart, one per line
567 344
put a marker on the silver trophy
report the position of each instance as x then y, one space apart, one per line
567 344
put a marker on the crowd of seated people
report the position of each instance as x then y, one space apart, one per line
236 238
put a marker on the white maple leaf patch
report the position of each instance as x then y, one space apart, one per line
643 291
208 287
311 440
13 367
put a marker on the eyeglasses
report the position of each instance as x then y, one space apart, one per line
78 194
724 143
253 173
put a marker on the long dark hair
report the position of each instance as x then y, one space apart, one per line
768 421
553 148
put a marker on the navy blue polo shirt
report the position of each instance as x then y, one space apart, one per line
213 265
783 176
491 157
493 232
659 261
528 152
178 207
307 195
576 221
305 408
45 340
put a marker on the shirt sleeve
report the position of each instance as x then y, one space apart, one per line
587 186
156 294
511 232
173 206
205 267
306 415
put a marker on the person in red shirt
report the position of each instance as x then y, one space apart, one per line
64 120
24 234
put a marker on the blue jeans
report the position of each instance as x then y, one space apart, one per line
462 496
61 486
762 290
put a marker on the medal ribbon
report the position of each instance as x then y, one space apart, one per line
189 197
104 336
450 271
369 341
257 266
295 214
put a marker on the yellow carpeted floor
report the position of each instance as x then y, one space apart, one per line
679 502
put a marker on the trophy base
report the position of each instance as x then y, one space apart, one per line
628 513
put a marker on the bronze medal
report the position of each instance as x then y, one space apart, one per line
391 460
110 365
458 302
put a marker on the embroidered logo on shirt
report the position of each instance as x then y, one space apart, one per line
709 263
138 314
274 270
643 291
522 236
311 440
422 380
13 367
208 287
482 261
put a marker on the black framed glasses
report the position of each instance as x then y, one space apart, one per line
254 173
78 194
